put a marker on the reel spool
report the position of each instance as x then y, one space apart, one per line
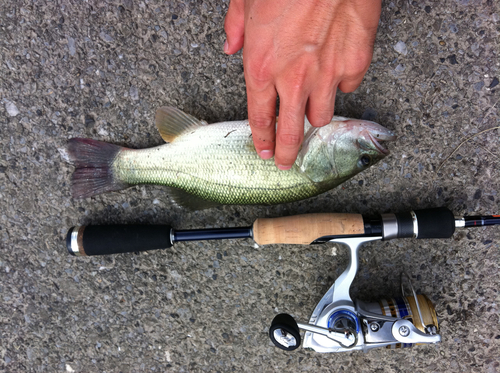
419 311
339 324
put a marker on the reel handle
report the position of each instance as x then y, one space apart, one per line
304 229
284 332
116 239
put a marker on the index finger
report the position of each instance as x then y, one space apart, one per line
261 101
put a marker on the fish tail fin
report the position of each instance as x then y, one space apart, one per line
94 172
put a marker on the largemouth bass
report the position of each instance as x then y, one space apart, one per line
218 164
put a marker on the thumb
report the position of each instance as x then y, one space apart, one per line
234 25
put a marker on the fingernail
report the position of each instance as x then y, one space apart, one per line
266 154
226 46
284 167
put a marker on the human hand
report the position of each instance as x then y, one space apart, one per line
301 50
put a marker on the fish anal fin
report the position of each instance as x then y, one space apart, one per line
172 122
190 201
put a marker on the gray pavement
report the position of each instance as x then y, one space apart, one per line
100 69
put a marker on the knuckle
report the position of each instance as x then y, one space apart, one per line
293 82
348 87
358 64
257 70
290 139
260 122
329 70
296 81
320 118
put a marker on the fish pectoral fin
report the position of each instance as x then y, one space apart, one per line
172 122
190 201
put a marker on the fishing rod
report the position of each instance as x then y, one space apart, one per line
338 323
300 229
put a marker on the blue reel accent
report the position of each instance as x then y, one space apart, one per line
343 313
403 310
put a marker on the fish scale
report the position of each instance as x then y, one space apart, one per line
215 162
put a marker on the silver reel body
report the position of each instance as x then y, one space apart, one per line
339 324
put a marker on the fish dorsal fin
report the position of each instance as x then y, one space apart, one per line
172 122
190 201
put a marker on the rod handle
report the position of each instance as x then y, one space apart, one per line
115 239
428 223
304 229
435 223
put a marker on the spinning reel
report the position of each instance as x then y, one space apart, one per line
339 324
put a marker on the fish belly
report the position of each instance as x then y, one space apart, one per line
219 163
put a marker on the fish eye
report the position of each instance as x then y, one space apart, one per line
365 160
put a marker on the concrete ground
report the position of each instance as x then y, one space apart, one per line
100 69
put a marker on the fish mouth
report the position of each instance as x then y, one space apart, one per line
377 136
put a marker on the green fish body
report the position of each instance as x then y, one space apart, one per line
218 164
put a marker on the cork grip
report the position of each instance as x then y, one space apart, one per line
304 229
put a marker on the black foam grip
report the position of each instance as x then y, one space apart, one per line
405 225
435 223
115 239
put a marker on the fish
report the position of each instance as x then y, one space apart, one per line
205 165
